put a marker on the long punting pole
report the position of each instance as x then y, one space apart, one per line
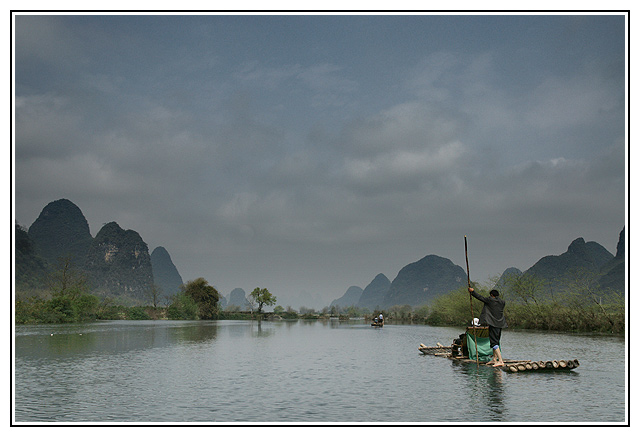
475 340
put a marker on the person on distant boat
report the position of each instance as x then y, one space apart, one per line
493 315
381 318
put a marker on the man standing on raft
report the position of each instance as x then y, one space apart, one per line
493 315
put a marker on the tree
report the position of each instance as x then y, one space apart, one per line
400 312
586 296
154 293
262 297
421 313
530 291
66 281
205 296
306 310
70 300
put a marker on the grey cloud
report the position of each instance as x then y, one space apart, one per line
45 39
281 172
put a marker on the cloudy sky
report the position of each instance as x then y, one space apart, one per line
307 154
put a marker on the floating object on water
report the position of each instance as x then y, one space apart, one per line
432 350
510 366
542 366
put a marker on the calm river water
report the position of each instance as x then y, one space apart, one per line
303 372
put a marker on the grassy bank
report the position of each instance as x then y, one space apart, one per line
563 312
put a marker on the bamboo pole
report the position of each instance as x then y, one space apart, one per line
475 340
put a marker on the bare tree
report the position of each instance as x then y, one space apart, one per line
65 280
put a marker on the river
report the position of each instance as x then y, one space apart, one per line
318 372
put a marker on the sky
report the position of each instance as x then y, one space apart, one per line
309 153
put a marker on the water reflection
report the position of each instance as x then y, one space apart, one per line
486 387
299 371
260 331
196 333
116 338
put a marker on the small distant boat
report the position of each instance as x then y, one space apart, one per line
377 323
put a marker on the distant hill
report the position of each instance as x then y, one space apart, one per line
119 261
165 273
613 272
580 255
61 231
373 294
349 298
116 262
31 268
222 302
504 278
420 282
238 297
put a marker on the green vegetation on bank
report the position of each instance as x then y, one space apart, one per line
579 305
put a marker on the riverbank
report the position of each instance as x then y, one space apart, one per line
450 310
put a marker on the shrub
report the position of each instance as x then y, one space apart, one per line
137 313
85 307
183 307
453 309
204 296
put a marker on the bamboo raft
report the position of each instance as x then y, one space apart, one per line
510 366
434 350
533 366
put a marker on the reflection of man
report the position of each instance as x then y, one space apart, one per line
493 315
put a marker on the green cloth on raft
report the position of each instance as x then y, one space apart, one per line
485 353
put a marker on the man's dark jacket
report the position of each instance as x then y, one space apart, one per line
493 311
